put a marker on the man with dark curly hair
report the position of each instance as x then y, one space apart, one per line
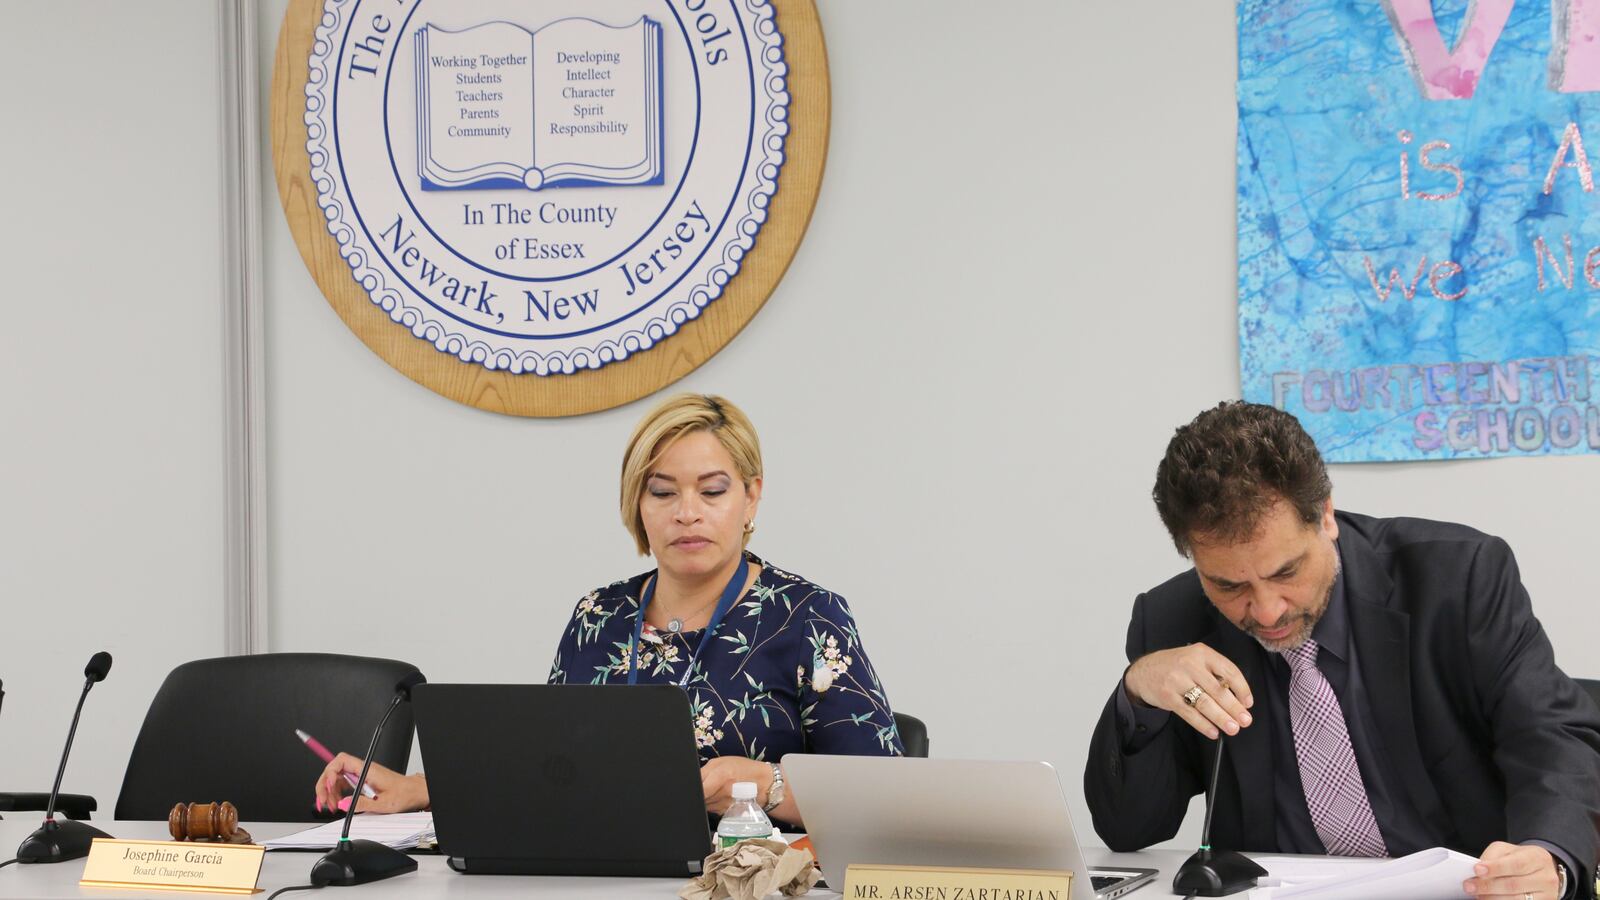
1383 683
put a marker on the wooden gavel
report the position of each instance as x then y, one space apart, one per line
218 822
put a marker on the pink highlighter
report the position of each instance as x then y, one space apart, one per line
327 757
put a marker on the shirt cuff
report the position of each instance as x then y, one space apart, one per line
1566 860
1138 724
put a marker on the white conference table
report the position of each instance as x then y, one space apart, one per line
432 878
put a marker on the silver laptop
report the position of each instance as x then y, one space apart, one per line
944 812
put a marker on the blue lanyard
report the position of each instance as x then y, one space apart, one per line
729 595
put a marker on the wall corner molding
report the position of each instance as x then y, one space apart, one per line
243 356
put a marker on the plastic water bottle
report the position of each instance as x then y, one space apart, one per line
744 819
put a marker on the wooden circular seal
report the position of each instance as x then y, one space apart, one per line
589 390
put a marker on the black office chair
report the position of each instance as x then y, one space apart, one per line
913 734
224 729
1591 687
70 806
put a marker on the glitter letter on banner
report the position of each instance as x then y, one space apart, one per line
1419 237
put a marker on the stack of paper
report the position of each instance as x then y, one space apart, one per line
402 831
1435 874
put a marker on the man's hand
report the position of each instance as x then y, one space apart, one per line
1515 872
1161 679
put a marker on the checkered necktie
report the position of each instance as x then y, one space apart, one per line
1335 794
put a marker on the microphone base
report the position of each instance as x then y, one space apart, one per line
1216 873
359 862
58 841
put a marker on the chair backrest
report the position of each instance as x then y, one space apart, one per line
913 734
1591 687
224 729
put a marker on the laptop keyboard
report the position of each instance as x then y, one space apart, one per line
1101 882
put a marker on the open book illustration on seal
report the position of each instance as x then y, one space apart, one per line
574 103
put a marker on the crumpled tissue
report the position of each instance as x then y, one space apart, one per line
752 869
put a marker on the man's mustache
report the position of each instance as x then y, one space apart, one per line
1253 627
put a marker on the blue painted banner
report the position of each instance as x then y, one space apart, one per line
1419 233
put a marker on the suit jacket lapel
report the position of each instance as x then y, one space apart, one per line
1250 751
1381 634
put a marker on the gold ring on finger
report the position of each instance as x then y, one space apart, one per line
1193 695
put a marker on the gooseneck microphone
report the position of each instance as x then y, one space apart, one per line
361 861
69 839
1215 873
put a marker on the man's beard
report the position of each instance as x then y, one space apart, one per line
1305 620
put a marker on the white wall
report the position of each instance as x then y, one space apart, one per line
111 443
1019 279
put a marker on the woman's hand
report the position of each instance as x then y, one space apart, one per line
396 792
719 773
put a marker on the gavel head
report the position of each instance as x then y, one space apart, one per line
203 821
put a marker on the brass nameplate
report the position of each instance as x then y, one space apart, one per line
864 882
173 866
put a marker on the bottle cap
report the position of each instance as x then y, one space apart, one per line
744 790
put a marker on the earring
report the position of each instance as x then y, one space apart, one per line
750 527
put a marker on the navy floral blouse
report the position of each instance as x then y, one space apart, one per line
785 673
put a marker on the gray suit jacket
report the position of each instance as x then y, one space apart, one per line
1491 740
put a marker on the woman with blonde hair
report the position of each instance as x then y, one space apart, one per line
772 663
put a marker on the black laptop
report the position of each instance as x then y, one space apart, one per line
563 779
